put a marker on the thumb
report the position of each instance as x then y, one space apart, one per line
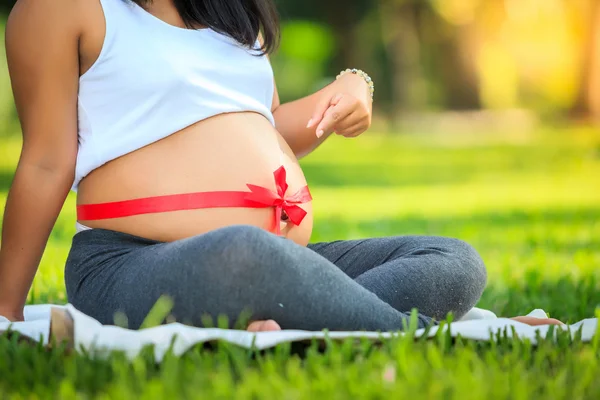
321 108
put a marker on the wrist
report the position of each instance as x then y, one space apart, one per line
358 75
351 84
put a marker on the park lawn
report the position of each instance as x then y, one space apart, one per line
529 203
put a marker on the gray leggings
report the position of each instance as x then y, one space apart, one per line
367 284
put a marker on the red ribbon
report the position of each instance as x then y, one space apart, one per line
258 197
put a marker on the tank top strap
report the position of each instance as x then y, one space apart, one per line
116 14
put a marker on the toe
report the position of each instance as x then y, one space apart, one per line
270 325
264 326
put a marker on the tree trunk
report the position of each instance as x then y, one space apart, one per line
342 17
400 33
588 100
457 67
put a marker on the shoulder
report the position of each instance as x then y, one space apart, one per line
47 18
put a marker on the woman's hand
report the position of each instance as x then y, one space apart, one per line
345 110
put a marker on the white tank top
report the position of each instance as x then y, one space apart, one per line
153 79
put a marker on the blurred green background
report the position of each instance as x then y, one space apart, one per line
521 61
505 56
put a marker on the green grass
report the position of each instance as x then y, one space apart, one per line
529 204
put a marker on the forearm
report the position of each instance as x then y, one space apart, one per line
34 202
292 118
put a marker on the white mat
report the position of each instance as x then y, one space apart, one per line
98 340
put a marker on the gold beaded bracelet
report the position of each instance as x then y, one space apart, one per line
363 75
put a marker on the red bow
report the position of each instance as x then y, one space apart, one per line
267 198
258 197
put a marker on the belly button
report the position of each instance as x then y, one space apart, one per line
284 216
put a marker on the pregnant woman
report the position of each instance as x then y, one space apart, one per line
164 117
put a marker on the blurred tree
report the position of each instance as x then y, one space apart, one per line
438 54
588 99
455 46
340 16
302 59
401 39
6 5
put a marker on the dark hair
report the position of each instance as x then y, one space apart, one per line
242 20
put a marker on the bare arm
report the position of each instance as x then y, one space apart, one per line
291 120
42 50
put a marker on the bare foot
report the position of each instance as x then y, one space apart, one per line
263 326
270 325
537 321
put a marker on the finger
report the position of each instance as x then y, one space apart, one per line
332 117
354 131
336 99
349 123
321 108
353 125
334 114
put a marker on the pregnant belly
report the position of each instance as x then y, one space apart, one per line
223 153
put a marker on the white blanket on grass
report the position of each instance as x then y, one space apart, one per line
97 339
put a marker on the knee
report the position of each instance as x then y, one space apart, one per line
242 238
466 276
241 243
245 251
469 260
